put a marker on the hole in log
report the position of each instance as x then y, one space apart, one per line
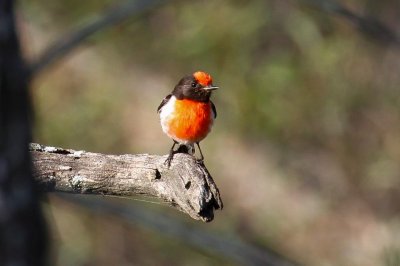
188 184
158 174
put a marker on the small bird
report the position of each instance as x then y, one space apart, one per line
187 114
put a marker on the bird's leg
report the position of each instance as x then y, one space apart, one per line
171 154
201 154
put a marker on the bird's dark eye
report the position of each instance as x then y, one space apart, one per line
194 85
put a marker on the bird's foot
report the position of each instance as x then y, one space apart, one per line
200 161
169 160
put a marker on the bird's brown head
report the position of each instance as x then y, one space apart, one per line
197 86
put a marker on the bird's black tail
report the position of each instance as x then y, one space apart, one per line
189 149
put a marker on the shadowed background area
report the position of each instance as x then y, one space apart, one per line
305 149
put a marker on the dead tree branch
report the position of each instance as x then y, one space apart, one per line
220 244
369 26
68 42
186 185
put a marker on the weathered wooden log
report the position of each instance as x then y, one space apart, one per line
186 184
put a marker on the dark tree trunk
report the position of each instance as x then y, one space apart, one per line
22 228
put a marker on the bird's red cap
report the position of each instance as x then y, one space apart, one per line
203 78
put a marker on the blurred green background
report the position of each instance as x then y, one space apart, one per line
305 149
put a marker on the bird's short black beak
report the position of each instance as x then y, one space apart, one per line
210 88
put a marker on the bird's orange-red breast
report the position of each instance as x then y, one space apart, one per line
187 114
188 122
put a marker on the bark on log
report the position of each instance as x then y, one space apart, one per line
186 185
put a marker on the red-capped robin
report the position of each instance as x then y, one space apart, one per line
187 114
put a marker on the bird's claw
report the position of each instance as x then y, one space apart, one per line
168 161
200 161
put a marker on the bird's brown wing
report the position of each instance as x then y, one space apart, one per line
164 102
213 109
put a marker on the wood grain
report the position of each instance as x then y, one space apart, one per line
186 184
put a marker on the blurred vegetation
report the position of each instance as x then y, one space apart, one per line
308 105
